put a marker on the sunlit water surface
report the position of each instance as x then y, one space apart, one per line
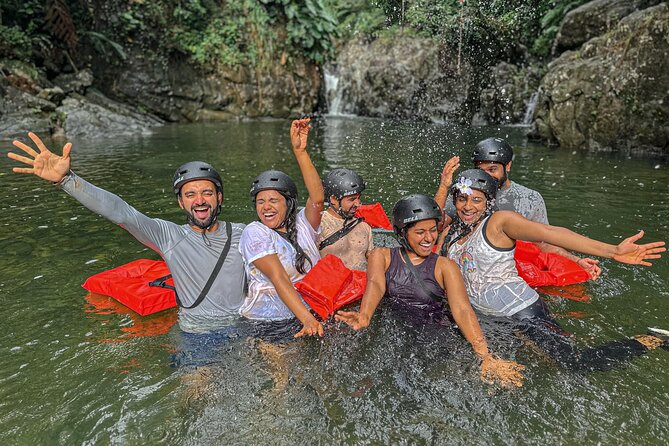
78 369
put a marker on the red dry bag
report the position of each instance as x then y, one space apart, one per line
374 216
546 269
129 284
329 285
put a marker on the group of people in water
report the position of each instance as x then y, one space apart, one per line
456 248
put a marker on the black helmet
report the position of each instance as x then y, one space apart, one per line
342 183
274 180
477 179
496 150
414 208
196 170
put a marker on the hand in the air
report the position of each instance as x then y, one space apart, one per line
299 132
45 164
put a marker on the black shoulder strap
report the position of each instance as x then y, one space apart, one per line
421 286
160 282
335 236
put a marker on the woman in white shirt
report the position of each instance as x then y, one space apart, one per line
281 248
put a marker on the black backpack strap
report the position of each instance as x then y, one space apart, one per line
161 280
335 236
421 286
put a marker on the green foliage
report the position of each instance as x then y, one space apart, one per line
358 17
550 25
14 43
310 25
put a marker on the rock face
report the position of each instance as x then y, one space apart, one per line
175 90
614 92
416 78
594 19
406 78
509 95
71 108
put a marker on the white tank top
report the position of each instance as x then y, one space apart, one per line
493 284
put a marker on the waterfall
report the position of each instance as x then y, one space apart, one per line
531 104
334 92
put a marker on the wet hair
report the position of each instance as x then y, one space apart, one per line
460 229
301 258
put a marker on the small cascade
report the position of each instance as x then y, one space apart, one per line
334 92
531 105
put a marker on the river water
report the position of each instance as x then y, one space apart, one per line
79 369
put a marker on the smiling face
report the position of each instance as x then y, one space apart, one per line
347 205
422 236
470 207
271 208
200 200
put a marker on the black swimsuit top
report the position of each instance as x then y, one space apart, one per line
401 284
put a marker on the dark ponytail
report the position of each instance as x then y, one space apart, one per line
290 223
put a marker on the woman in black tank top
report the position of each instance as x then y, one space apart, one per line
413 274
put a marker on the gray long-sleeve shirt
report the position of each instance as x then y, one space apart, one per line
190 259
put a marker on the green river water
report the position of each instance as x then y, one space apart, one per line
77 369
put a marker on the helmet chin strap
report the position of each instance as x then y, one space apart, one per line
404 243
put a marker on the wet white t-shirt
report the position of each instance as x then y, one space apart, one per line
262 301
527 202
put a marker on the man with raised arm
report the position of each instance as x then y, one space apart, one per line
209 295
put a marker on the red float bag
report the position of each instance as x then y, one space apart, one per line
374 216
546 269
129 284
329 285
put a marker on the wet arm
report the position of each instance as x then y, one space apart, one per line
462 311
271 267
374 291
299 131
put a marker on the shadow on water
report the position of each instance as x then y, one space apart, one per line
80 370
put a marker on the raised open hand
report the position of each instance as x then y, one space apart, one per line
299 131
629 252
45 164
353 319
450 167
507 373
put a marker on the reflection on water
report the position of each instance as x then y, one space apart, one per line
79 368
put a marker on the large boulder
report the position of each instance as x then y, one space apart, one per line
177 90
594 19
509 95
404 77
614 92
95 114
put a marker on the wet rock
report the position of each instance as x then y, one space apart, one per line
97 115
404 77
21 111
75 82
506 96
594 19
176 90
54 94
613 94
